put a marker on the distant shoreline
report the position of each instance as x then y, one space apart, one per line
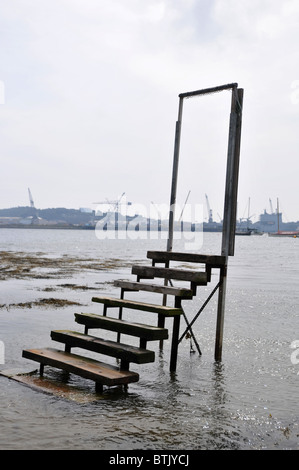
52 227
82 227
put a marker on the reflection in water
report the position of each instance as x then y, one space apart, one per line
218 383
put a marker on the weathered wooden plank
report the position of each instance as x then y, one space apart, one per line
148 332
124 352
82 366
167 290
164 256
150 272
132 304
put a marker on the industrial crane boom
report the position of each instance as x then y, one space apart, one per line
210 214
30 198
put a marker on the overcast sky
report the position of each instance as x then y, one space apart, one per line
90 101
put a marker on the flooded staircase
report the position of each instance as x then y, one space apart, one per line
104 374
154 279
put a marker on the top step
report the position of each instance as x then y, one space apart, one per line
215 261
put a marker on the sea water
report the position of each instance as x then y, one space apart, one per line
249 400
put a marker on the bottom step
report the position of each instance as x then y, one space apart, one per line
102 374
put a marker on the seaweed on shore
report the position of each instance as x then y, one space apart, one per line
51 302
23 265
39 266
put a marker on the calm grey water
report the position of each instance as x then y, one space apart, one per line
248 401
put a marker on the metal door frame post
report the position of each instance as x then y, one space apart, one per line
230 208
231 191
176 154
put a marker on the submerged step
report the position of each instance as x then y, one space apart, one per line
161 309
87 368
124 352
148 332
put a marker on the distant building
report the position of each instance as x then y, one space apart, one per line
269 222
86 210
9 220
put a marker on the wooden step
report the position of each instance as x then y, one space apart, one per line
168 290
102 374
150 272
215 261
124 352
147 332
132 304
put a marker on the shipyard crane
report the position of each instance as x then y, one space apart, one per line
116 203
248 216
34 210
184 205
159 216
157 209
115 210
31 199
271 207
210 214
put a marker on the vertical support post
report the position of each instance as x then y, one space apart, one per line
175 175
120 312
232 174
220 313
124 365
175 337
230 208
161 322
176 320
99 387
